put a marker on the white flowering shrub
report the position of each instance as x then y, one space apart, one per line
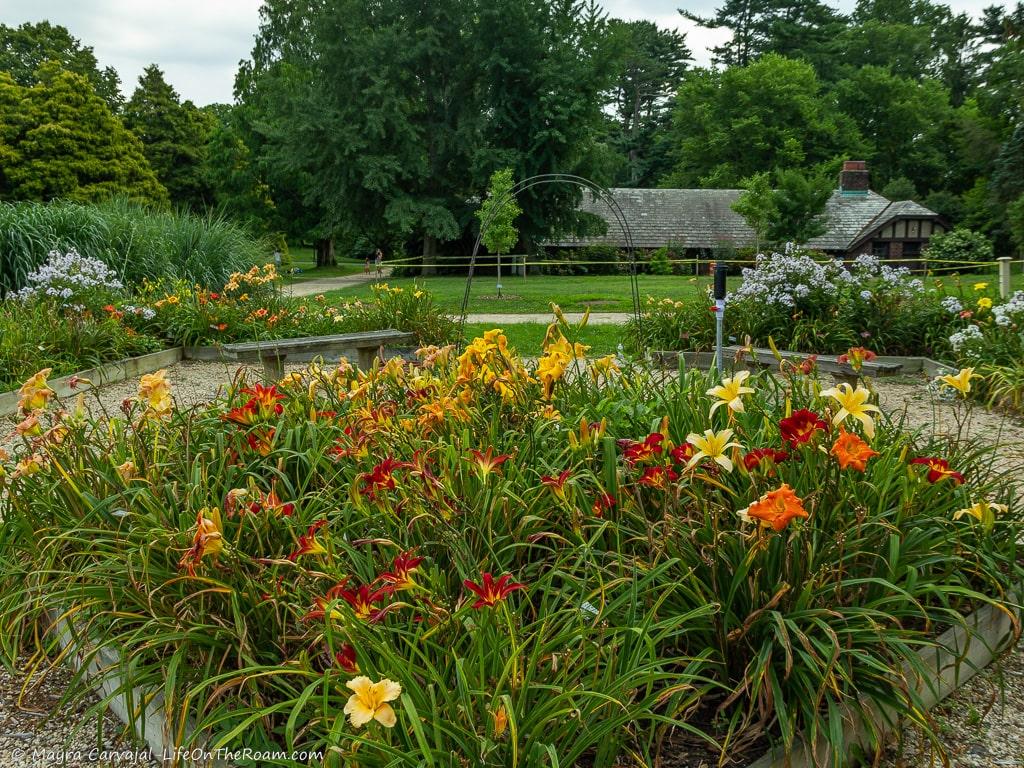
813 304
73 281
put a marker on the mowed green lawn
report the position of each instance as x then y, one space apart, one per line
534 294
305 259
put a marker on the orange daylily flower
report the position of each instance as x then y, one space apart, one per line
851 451
488 462
776 508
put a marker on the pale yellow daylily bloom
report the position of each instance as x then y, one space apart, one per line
853 402
980 286
730 392
961 381
369 701
983 511
712 445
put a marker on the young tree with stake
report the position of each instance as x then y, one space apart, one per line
499 233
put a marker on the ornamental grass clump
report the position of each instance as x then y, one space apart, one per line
475 560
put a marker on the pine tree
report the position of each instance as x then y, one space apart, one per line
174 138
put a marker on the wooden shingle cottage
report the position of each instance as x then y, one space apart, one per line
701 222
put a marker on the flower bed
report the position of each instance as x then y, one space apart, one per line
75 314
473 559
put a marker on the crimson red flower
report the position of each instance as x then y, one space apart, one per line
345 657
681 454
764 458
363 600
556 484
491 592
381 477
938 469
602 504
400 577
261 440
801 426
488 462
638 452
271 502
308 542
265 400
658 477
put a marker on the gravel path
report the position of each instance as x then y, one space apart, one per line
981 726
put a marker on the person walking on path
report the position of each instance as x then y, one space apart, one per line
366 266
378 262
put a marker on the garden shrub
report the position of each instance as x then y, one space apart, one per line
659 262
960 245
533 563
812 304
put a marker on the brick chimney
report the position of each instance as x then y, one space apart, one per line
854 178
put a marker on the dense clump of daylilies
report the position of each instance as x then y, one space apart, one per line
471 554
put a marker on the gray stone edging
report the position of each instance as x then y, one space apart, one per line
110 373
706 361
961 652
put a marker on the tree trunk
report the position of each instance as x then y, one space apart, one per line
325 252
429 255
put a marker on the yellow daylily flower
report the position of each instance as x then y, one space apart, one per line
712 445
960 381
984 303
730 392
853 402
983 511
980 286
155 393
369 701
35 392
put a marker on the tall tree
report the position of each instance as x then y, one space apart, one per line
649 65
174 138
770 115
904 122
63 141
24 49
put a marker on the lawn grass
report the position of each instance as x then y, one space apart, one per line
534 294
526 338
305 259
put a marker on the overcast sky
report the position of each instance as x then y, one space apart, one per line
198 43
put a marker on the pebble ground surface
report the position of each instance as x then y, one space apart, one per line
979 726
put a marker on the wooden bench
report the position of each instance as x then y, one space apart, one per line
765 358
363 347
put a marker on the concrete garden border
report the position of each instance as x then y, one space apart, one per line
104 374
706 361
962 652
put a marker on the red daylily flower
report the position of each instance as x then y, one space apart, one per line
246 415
488 462
801 426
308 542
345 657
400 577
381 478
266 400
681 454
271 502
602 504
639 452
556 484
658 477
491 592
261 440
764 458
938 469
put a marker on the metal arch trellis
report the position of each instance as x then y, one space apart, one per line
555 178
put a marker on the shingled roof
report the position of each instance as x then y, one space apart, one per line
704 218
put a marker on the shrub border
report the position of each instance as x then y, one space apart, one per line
104 374
961 653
